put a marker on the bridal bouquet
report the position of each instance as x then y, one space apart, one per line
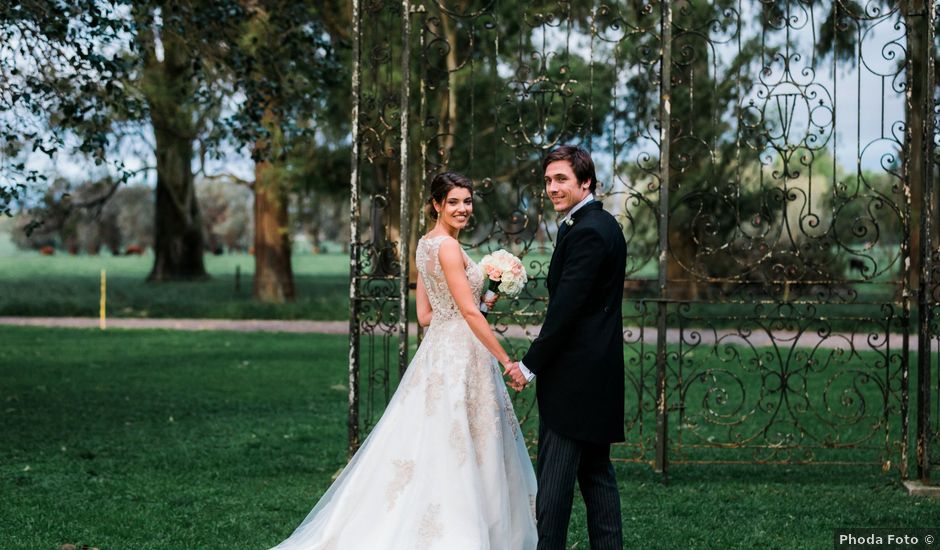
506 276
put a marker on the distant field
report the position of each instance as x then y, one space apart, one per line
63 285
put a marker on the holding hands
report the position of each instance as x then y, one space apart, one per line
505 275
517 380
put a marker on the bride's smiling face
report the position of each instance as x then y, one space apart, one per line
456 209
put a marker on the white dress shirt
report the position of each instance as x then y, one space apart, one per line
529 375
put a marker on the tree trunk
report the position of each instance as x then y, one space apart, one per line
385 217
312 203
274 275
688 78
683 284
447 117
178 242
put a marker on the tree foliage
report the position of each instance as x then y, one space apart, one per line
61 80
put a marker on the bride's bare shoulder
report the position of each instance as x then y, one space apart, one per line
449 250
435 236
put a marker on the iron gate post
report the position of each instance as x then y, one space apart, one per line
665 91
353 421
924 343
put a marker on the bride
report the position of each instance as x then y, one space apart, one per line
446 466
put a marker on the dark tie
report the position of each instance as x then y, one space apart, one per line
561 231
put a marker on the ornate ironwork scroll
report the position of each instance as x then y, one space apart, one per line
780 235
771 163
379 221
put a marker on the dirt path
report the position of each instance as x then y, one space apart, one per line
862 341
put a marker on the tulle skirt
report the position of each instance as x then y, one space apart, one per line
446 466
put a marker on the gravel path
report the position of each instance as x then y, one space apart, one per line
861 341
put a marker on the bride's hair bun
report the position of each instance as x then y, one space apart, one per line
441 185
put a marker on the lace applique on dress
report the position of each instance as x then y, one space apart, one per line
429 267
433 392
430 527
404 471
458 443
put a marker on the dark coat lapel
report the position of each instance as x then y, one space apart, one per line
589 207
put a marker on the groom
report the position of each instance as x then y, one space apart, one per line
578 358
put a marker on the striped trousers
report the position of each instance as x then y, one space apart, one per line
561 462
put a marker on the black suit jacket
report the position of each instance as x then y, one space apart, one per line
578 355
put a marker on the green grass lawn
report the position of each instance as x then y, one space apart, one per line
162 439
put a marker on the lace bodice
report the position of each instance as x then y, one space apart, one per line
432 274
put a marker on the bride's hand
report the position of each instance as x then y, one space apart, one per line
517 380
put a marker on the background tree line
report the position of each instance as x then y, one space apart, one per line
199 81
269 81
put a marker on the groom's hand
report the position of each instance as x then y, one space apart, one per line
517 380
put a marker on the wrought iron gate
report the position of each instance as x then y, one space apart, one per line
772 163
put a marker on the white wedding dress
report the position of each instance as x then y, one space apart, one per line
446 466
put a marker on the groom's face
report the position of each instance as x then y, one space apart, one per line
563 187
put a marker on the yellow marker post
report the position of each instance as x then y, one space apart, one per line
102 323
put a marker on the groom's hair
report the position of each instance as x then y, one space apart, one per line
581 163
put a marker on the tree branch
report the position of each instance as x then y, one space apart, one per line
228 177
